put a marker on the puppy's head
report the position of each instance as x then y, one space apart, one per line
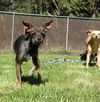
95 34
37 34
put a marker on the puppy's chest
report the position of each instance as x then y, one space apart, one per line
94 45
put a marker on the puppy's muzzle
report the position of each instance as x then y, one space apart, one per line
97 37
39 40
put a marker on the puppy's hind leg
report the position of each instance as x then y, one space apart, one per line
18 75
91 58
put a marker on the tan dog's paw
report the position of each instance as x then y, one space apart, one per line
98 65
18 84
87 66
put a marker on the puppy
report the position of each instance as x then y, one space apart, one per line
83 56
93 46
27 45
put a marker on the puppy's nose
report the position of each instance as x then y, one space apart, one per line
96 36
39 39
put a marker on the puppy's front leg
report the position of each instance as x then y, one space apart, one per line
88 56
36 67
98 57
88 60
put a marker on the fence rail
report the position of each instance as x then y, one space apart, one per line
67 33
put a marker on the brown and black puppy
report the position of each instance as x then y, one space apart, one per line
93 45
27 46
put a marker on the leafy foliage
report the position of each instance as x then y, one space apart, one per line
82 8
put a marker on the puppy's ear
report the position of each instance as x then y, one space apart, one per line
88 31
27 26
47 26
89 36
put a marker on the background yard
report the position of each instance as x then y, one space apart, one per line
61 81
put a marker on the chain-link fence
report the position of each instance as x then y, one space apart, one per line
66 33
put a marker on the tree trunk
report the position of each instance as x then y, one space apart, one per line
40 6
57 7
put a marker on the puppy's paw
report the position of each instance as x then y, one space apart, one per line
87 67
98 65
18 84
31 71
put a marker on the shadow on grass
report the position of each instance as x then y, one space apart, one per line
1 95
91 64
32 80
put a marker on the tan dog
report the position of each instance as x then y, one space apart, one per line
93 45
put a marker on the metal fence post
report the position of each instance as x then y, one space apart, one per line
13 25
67 33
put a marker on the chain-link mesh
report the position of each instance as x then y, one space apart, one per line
77 35
56 38
5 31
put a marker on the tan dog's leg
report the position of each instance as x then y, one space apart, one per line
88 56
98 57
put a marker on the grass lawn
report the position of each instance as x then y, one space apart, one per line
61 81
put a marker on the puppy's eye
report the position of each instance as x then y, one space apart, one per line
33 33
93 34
